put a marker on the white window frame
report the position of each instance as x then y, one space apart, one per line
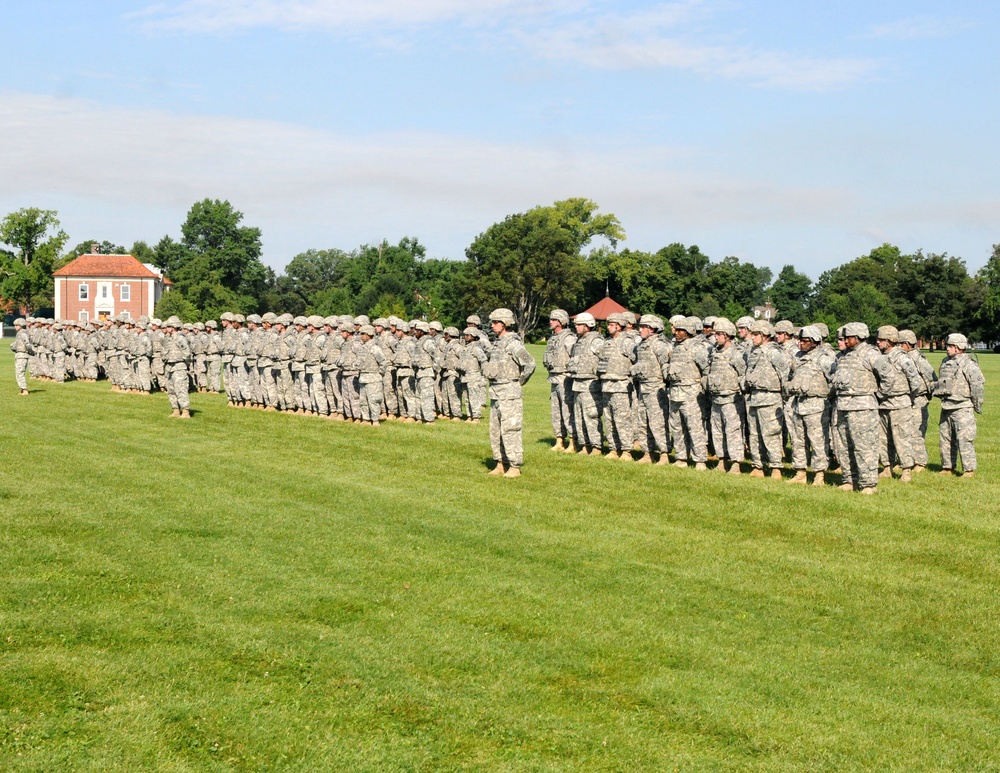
83 291
125 292
104 291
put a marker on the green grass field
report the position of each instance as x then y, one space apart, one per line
256 591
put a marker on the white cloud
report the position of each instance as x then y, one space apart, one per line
213 16
656 39
919 28
109 171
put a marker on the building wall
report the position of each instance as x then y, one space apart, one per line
142 294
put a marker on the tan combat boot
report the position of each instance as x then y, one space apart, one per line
570 448
681 463
497 470
819 479
559 445
868 491
644 459
185 414
700 466
613 454
905 477
734 469
626 456
886 472
513 472
176 414
757 472
845 487
969 474
663 461
799 477
918 468
775 473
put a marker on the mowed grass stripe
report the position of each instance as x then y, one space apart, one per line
260 591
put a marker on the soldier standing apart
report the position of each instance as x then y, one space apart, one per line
895 405
614 367
809 385
582 369
688 365
726 369
508 370
766 377
176 357
855 384
961 388
556 361
23 350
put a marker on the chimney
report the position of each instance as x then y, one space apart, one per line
95 248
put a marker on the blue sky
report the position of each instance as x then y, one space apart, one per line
779 132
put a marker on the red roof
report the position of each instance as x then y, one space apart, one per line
106 265
605 307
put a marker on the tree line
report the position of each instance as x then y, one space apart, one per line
529 262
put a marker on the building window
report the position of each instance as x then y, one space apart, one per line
84 291
84 317
126 292
105 291
125 315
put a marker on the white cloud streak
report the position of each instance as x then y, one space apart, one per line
578 32
919 28
329 189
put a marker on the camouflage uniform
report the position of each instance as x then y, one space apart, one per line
176 358
213 358
809 383
726 369
582 369
448 355
426 381
470 366
556 362
405 379
895 404
23 349
921 414
508 370
331 370
961 389
652 358
371 368
614 369
855 383
688 366
766 377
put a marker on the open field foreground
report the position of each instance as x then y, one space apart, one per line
257 591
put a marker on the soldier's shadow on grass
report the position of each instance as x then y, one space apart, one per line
546 441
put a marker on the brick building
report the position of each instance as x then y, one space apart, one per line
98 286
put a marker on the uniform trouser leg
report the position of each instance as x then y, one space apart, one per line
371 400
957 433
859 441
560 410
897 433
506 419
475 388
317 393
330 388
20 371
688 431
142 374
586 414
654 435
727 431
618 421
426 396
918 438
810 433
389 396
765 435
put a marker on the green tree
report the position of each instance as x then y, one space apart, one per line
34 241
216 266
532 260
988 313
791 295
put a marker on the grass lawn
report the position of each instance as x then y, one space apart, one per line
257 591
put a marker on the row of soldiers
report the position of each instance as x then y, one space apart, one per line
746 391
344 368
